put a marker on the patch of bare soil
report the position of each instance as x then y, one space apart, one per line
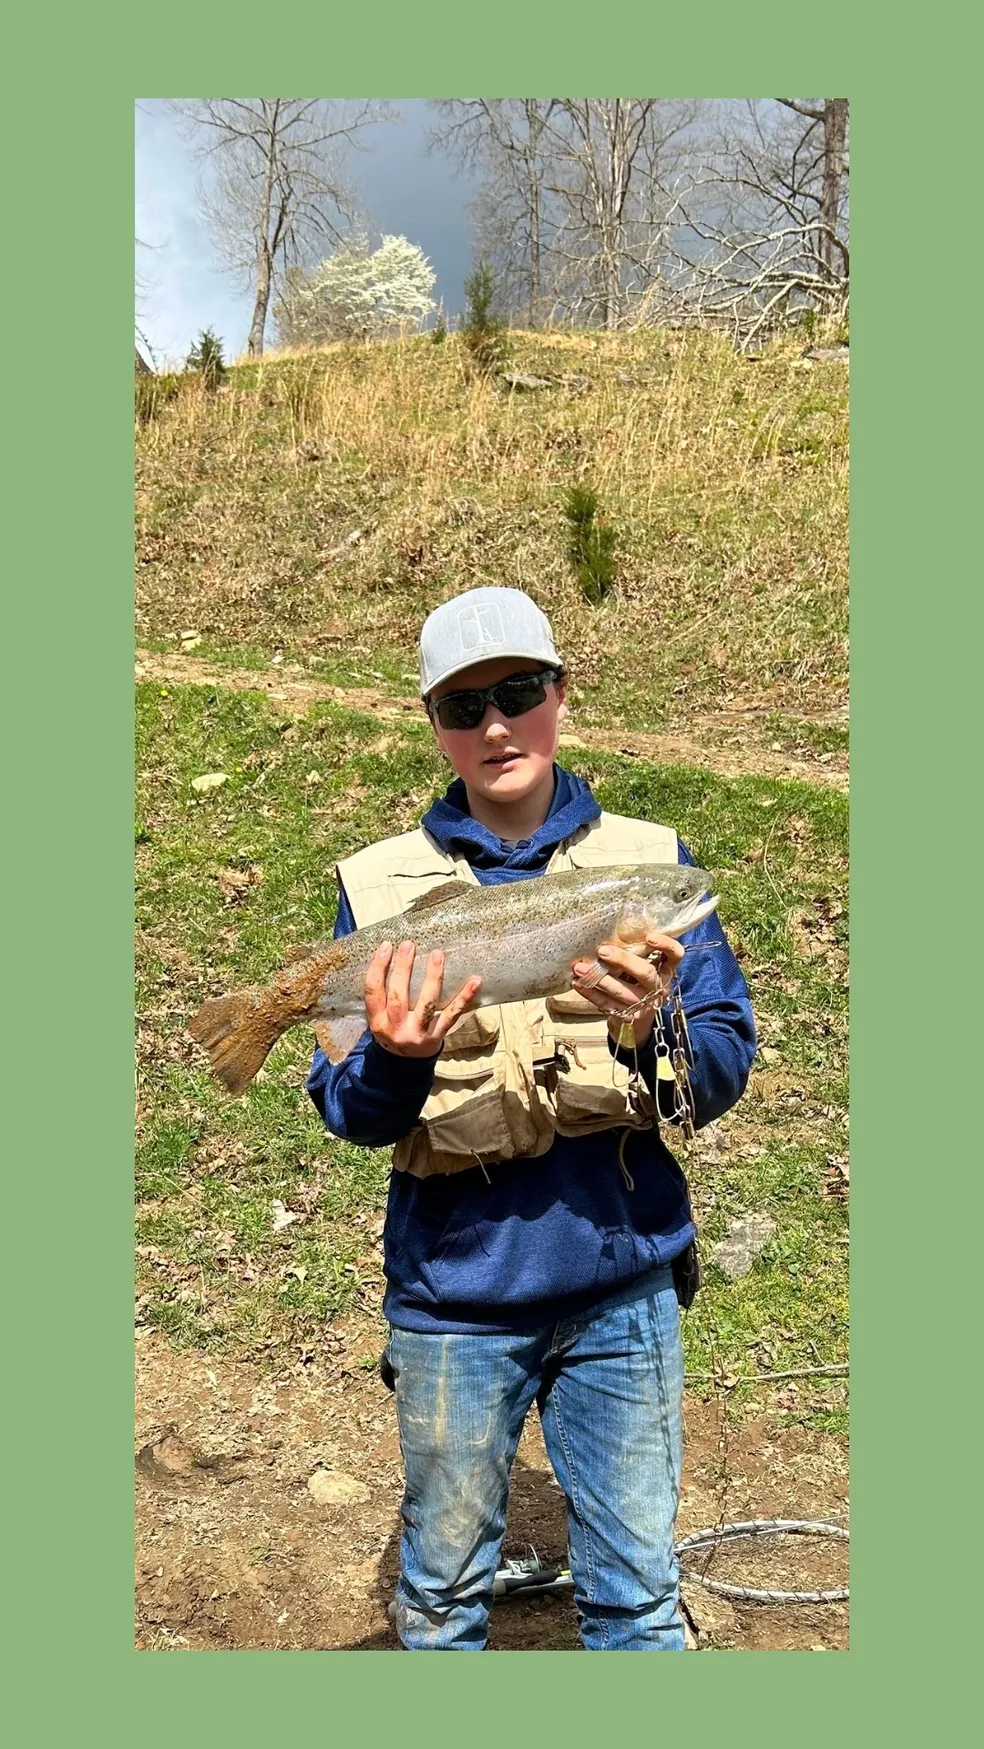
268 1513
729 743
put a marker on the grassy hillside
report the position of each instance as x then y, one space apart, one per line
318 506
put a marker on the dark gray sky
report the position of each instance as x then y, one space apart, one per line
404 191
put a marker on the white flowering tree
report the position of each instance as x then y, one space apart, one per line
358 294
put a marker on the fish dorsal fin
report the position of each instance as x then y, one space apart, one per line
437 895
305 950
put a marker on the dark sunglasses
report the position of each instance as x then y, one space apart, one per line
513 697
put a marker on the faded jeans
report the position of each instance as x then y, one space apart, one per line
608 1385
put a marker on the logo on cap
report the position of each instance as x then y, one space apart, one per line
479 625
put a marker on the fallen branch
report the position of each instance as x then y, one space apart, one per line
756 1378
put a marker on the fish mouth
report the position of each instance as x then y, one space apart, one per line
692 914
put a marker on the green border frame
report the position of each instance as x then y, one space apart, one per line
69 672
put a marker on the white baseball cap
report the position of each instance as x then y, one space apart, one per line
478 626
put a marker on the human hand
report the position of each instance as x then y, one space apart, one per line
407 1031
636 984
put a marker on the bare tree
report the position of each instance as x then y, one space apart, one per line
612 159
272 190
573 201
762 215
833 115
595 148
142 285
503 138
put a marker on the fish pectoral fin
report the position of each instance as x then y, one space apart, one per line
340 1035
436 895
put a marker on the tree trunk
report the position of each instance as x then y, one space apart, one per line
834 140
264 261
612 282
533 131
254 345
613 178
534 273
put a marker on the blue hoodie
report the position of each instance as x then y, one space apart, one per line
530 1241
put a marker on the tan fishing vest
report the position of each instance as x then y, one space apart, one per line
511 1077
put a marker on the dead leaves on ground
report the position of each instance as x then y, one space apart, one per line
814 935
837 1177
235 884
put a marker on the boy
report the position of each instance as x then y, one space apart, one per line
535 1213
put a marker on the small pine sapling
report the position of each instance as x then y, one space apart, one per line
483 333
592 544
206 358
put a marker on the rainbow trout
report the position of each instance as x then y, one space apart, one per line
521 938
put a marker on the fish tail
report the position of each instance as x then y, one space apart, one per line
239 1032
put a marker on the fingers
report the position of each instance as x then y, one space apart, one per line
613 990
375 991
669 947
632 965
456 1007
430 989
406 1031
631 978
398 989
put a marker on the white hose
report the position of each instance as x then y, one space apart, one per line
725 1533
519 1578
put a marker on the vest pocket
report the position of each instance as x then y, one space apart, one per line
483 1107
464 1111
473 1031
590 1089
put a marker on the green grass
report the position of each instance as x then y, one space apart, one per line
386 668
300 794
792 734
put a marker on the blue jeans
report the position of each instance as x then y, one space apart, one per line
609 1388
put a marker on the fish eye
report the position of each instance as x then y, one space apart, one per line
682 893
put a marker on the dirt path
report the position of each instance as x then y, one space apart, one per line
235 1552
729 743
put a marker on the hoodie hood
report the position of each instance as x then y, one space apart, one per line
449 821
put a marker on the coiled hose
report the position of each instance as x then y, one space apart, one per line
529 1576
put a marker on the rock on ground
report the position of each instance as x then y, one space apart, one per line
335 1488
745 1239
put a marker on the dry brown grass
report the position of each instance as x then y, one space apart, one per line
322 503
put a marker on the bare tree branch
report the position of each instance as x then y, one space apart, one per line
272 190
573 204
762 229
800 108
503 138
